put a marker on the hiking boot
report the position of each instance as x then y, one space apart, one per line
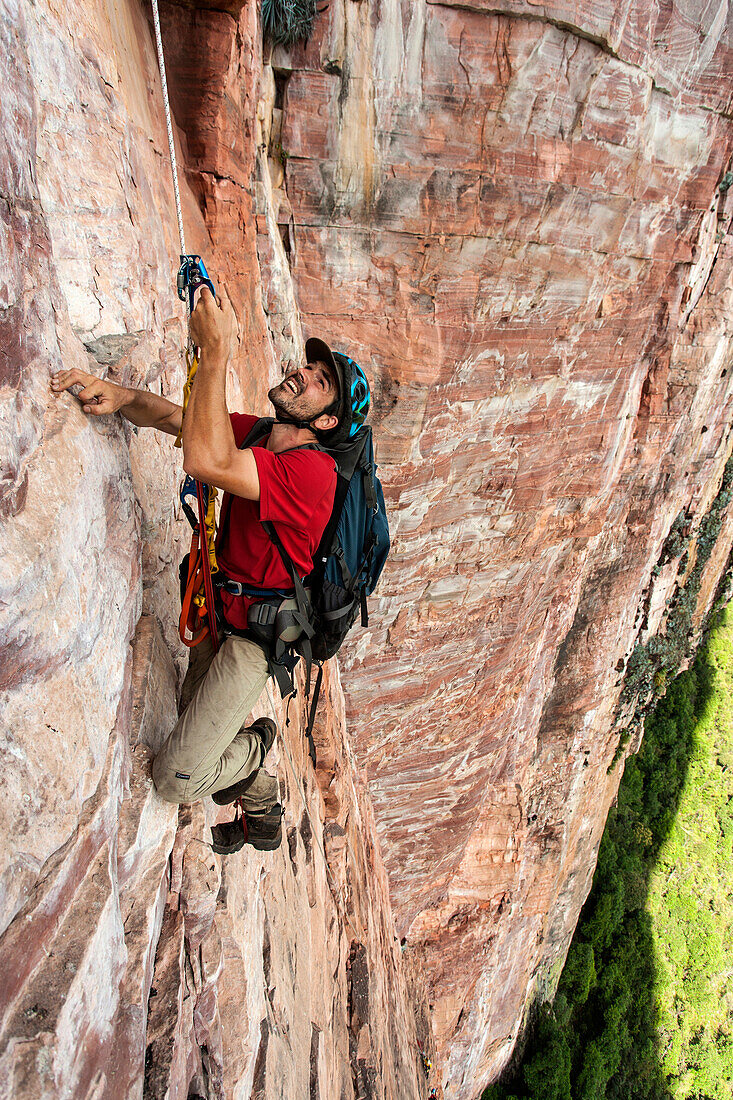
229 836
263 831
257 791
265 729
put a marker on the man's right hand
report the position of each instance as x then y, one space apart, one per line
96 397
213 326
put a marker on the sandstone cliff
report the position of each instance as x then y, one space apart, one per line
517 217
135 962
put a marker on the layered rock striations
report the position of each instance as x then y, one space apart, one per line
135 962
517 218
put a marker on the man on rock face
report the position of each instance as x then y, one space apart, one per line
283 480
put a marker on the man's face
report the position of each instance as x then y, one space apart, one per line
305 392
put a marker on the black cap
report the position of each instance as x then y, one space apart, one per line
318 351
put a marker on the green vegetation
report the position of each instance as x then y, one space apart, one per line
644 1009
652 665
286 22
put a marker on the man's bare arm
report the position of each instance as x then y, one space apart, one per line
100 398
209 449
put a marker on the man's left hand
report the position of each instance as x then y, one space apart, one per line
213 324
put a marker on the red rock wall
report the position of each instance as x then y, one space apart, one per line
135 962
511 215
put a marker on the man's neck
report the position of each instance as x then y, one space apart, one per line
284 437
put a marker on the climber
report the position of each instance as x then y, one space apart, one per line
209 752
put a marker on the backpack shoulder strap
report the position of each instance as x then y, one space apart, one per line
286 559
257 432
368 470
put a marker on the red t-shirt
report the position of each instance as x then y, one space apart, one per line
297 488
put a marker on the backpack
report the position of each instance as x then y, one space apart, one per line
350 557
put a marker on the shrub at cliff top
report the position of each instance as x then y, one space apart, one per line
286 22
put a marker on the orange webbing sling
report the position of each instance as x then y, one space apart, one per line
198 607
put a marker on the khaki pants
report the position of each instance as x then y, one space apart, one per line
208 749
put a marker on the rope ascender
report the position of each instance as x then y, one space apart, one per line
198 612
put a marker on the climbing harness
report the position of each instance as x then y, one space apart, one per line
198 611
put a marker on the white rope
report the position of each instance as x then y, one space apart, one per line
169 124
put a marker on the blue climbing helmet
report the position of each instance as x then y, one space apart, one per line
352 405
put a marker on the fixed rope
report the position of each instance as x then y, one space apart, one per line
192 274
169 124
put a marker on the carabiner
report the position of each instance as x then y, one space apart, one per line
192 275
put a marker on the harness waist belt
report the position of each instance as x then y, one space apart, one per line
236 588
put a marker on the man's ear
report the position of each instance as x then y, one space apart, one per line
325 422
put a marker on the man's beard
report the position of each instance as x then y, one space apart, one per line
284 402
292 404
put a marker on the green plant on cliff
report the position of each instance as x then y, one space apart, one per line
652 664
677 540
286 22
644 1008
